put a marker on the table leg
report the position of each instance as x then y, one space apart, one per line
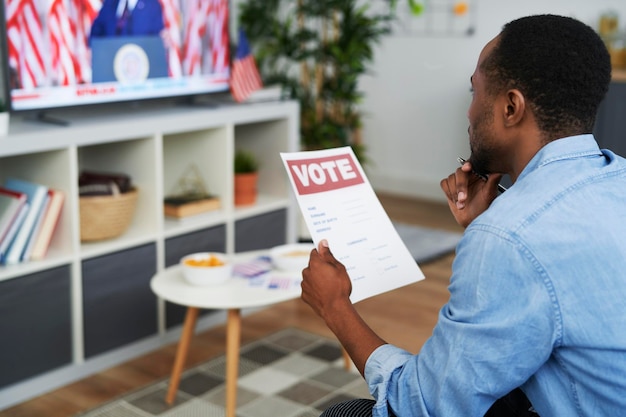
181 353
233 339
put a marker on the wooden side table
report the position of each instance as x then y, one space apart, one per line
231 296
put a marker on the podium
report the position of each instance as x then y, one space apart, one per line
128 59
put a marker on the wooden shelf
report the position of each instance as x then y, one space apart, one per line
109 279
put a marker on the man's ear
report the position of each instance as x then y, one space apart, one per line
515 107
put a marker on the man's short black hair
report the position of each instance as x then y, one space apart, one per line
561 66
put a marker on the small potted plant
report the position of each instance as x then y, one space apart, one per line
246 175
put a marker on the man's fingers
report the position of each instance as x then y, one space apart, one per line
455 188
324 251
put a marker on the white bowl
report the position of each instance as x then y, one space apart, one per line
292 257
198 271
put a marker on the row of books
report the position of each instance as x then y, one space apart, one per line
29 213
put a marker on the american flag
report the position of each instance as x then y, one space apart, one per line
196 16
245 77
253 268
69 24
206 19
25 38
282 283
172 21
218 37
82 14
62 42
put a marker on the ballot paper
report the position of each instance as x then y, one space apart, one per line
338 204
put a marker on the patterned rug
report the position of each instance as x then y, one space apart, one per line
291 373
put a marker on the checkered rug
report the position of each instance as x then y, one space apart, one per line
291 373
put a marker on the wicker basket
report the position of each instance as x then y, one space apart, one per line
106 216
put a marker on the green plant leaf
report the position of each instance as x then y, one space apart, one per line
245 162
317 50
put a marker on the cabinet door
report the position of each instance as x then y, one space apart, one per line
261 232
118 305
35 324
208 240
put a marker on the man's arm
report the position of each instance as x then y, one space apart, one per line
326 287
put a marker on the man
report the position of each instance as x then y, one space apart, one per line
128 18
538 286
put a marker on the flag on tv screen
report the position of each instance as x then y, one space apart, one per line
172 22
245 76
24 38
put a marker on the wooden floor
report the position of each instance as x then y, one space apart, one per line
404 317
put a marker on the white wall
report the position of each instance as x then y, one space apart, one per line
416 100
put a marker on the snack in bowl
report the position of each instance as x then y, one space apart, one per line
206 268
292 257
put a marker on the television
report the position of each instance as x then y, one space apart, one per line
67 53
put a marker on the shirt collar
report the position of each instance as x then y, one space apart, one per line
571 147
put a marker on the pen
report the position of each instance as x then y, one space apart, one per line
501 188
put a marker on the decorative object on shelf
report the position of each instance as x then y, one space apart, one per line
191 196
246 178
332 44
107 204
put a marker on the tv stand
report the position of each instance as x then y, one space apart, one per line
211 101
46 118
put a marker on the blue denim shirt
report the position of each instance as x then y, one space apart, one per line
537 300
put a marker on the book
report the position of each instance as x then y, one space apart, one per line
15 226
31 239
48 225
10 204
189 205
36 198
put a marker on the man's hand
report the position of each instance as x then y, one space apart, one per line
326 287
325 282
469 195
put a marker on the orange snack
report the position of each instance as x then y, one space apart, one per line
210 261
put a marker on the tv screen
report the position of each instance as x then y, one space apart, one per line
62 53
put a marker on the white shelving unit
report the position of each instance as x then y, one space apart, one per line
155 147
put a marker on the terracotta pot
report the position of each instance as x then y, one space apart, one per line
245 188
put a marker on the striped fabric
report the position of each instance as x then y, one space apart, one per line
351 408
172 22
25 38
61 45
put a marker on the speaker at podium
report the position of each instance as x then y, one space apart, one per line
128 59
